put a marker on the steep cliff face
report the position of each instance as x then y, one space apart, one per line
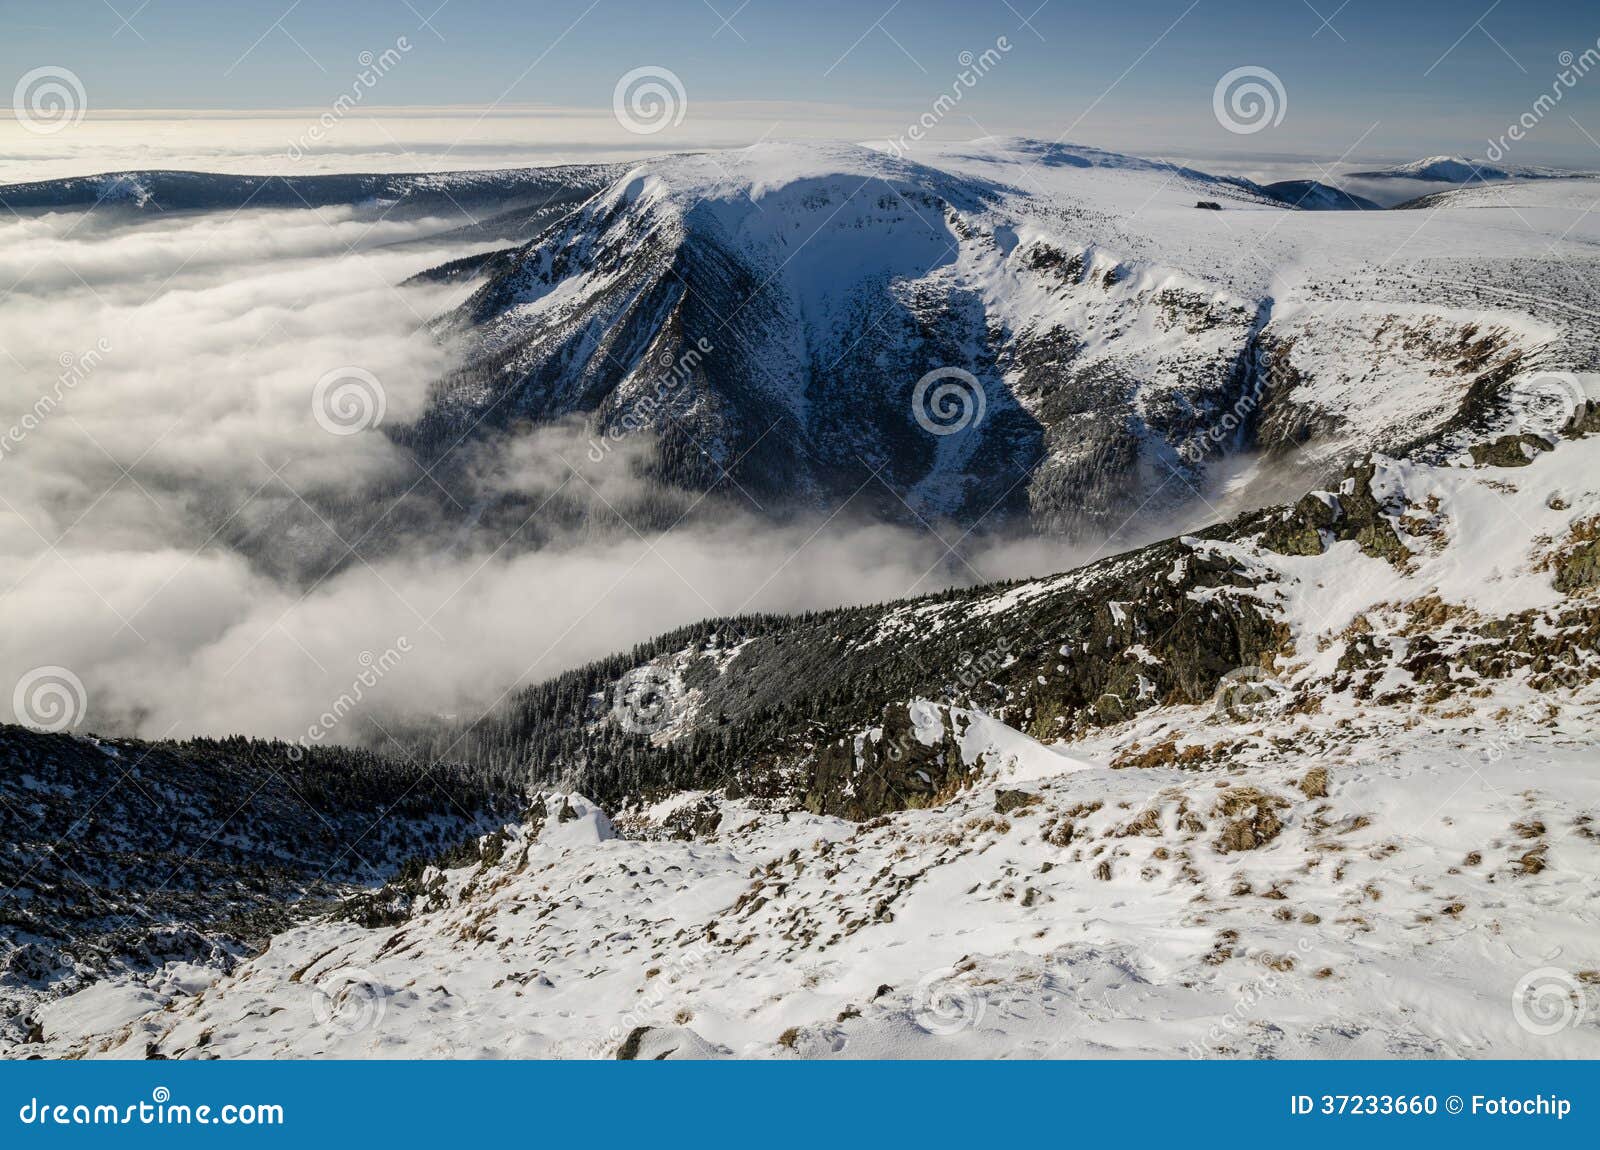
976 337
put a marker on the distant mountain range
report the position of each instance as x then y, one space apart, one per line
1455 170
768 315
515 201
1314 196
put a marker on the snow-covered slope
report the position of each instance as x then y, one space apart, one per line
1389 912
1376 836
806 317
1541 199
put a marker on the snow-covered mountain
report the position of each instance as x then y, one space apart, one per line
172 191
1316 783
1314 780
780 317
1314 196
1456 170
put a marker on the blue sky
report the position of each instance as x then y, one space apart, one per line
1387 78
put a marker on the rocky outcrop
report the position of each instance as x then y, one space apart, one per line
1007 801
1577 566
1352 513
658 1043
1509 451
889 769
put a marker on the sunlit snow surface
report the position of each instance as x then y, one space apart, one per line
1396 915
1446 880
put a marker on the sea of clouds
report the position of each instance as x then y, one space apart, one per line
175 520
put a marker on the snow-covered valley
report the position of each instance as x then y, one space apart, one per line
1310 772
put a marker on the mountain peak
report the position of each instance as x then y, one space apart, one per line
1457 170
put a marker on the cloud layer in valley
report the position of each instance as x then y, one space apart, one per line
171 504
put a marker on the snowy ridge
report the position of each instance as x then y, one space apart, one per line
1367 848
166 190
771 310
1455 170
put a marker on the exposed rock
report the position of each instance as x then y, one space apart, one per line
1007 801
1352 513
656 1043
697 821
1509 451
1584 422
859 778
1578 568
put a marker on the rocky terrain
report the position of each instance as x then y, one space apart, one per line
126 856
1312 780
1315 773
791 320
